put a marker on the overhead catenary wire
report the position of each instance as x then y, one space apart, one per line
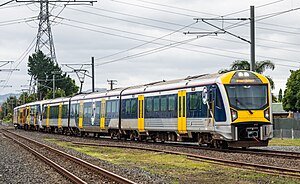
258 38
134 56
125 51
21 59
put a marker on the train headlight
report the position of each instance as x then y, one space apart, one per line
234 114
267 114
243 74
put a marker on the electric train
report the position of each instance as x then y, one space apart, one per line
220 110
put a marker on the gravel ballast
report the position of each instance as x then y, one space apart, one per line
141 176
17 165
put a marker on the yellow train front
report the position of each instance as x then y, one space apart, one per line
249 101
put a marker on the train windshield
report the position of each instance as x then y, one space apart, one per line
245 97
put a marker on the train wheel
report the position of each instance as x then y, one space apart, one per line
118 136
132 136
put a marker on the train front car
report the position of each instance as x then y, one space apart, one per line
249 108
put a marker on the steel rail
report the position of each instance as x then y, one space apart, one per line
273 153
73 178
99 170
295 173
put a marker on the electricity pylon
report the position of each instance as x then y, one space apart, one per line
44 41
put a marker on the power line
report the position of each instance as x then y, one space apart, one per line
260 6
178 8
161 44
17 21
169 23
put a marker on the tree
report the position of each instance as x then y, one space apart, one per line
58 93
280 95
291 99
7 108
42 68
260 67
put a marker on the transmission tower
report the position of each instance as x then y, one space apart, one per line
44 41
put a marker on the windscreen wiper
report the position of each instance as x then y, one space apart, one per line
237 100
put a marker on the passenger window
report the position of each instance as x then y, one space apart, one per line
149 105
171 103
133 106
114 106
193 101
108 106
163 104
156 104
127 106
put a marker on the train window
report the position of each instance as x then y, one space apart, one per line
149 104
44 112
54 112
156 104
133 106
74 110
114 106
163 104
127 106
218 100
108 106
171 100
194 101
179 106
183 107
87 109
65 110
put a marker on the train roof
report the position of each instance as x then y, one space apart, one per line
154 86
190 81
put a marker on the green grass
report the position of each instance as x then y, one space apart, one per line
178 169
284 142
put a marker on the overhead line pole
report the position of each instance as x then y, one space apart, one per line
252 34
93 74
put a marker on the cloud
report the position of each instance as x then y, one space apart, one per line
130 27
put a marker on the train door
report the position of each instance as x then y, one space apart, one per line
141 120
211 104
34 115
59 116
102 114
80 114
28 118
48 116
181 112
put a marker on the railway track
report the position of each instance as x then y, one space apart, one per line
261 152
294 173
91 173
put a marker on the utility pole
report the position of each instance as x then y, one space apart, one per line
54 72
81 73
221 30
111 82
252 34
93 74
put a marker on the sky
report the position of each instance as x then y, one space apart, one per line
143 41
